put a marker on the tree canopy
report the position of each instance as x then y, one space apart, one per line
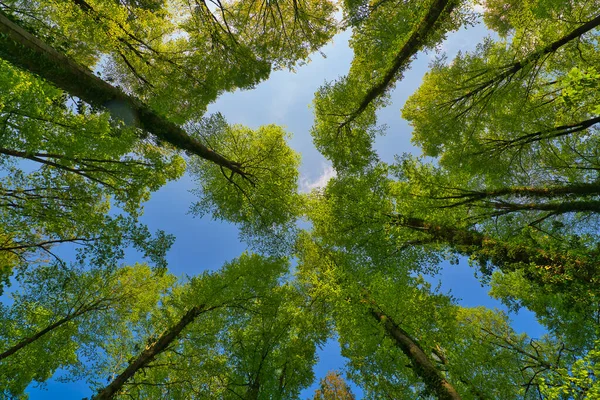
104 102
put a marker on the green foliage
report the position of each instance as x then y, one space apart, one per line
505 101
577 382
507 17
350 293
265 201
154 49
256 338
68 314
347 146
565 315
64 168
579 87
512 126
82 147
385 38
508 179
474 349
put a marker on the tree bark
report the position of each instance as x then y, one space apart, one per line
24 50
146 356
550 266
421 364
548 192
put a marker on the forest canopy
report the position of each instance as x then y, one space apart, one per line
104 102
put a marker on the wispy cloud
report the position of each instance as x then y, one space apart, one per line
307 185
477 7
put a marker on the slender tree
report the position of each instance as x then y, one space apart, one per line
333 387
61 313
30 53
248 340
345 121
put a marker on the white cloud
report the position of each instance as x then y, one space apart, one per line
307 185
478 8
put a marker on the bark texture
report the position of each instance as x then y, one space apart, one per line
421 364
540 265
146 356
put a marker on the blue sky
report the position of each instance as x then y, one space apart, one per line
285 100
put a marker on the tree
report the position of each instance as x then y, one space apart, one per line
333 387
421 343
353 307
197 49
264 202
385 39
510 101
64 167
29 53
386 224
59 315
232 333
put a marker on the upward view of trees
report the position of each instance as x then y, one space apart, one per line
103 102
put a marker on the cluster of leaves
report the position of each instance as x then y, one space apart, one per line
265 201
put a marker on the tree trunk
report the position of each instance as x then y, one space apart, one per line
500 145
421 364
414 43
26 51
550 266
590 206
577 189
146 356
31 339
253 390
514 68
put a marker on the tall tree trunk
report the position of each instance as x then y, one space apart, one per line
512 69
438 10
590 206
465 196
146 356
24 50
253 390
550 266
421 364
